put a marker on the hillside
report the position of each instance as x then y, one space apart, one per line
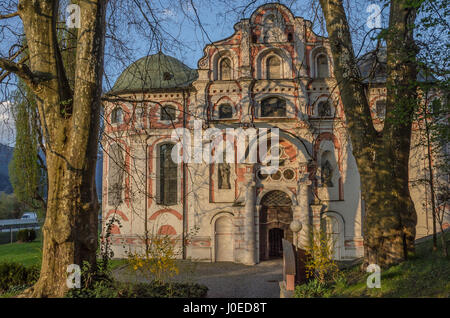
6 156
425 274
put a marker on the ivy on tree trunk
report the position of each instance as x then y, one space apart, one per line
382 158
70 118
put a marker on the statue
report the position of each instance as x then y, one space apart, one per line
327 174
224 175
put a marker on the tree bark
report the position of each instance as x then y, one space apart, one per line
70 121
382 158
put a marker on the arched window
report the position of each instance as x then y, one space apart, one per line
324 109
273 67
225 111
117 116
322 66
273 107
380 108
225 69
115 175
168 113
168 184
326 169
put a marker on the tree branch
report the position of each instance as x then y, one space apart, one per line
9 15
23 71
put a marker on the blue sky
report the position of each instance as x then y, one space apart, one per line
185 38
182 36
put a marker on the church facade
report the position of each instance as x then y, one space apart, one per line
273 72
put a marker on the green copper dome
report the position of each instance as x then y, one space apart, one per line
154 72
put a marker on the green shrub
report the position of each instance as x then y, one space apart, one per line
14 275
107 289
26 235
167 290
311 289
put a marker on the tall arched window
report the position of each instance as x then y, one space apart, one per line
168 185
117 116
322 66
225 69
116 168
273 107
273 67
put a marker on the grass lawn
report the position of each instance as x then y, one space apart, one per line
29 254
427 274
26 253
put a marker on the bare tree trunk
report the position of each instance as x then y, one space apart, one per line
430 179
70 121
382 158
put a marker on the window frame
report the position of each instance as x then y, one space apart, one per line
161 112
220 69
113 116
260 113
383 115
332 110
316 60
218 117
162 197
268 68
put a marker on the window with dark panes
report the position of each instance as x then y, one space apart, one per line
117 115
168 113
380 108
273 107
324 109
225 111
168 176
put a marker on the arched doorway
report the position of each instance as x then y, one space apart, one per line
223 235
274 220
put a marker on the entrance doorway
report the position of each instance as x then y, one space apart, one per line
275 243
224 239
274 220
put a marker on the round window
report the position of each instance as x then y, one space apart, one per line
288 174
276 176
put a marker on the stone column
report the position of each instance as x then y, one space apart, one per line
301 212
249 225
316 208
257 214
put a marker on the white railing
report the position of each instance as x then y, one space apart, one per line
14 225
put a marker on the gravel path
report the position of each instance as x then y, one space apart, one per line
227 280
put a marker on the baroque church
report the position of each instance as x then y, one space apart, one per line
273 71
